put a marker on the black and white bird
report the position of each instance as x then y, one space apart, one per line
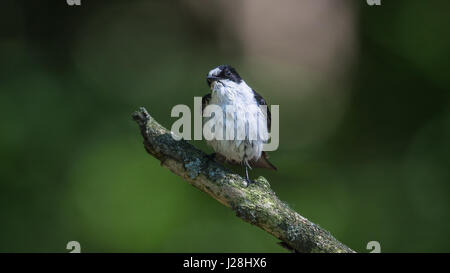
229 89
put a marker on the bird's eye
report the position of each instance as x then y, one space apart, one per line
223 73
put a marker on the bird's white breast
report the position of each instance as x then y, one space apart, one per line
246 142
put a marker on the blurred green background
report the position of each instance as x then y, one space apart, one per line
364 105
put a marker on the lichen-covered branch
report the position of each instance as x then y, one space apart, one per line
256 204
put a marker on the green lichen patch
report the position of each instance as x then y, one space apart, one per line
263 183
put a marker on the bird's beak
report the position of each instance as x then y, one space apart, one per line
211 79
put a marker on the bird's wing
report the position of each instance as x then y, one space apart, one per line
263 161
261 101
205 101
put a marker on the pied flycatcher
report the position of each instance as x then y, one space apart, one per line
228 89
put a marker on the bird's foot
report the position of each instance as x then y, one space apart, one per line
249 181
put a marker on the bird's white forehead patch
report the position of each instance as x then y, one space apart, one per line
215 72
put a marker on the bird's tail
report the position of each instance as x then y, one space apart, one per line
263 162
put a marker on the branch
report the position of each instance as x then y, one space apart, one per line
256 204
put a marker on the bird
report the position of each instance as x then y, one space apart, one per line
229 89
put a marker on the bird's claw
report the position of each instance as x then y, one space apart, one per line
249 182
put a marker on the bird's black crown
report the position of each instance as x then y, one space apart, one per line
227 72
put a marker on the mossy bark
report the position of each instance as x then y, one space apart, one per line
256 204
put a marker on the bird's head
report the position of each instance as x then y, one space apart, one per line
223 74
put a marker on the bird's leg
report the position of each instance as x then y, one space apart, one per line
249 181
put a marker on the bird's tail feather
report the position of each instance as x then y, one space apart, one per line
263 162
